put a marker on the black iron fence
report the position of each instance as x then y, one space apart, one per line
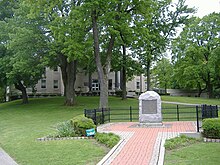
169 113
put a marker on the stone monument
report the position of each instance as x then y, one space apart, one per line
150 109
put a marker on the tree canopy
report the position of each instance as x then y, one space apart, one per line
196 54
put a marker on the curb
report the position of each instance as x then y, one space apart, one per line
5 159
110 153
63 138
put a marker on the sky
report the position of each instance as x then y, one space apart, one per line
204 7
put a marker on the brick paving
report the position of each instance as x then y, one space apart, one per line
141 145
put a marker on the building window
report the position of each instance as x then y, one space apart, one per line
145 85
110 84
95 85
55 84
43 83
138 85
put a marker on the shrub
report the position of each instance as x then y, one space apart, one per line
65 129
109 139
211 128
81 124
178 142
99 118
118 93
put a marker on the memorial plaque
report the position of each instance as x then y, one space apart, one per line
149 106
150 109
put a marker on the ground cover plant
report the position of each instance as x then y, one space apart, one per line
179 142
109 139
21 125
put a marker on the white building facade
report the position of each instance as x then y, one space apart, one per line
52 83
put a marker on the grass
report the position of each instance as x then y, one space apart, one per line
21 125
199 153
191 151
191 100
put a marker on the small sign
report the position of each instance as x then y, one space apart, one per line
90 132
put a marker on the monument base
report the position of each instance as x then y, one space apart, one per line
151 124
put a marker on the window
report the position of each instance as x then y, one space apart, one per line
55 84
95 85
43 83
110 84
138 85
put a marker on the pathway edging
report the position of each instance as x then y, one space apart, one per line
5 159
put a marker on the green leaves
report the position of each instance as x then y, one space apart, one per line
194 51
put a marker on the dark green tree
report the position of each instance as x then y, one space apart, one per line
163 72
196 53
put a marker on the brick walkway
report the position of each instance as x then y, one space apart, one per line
141 145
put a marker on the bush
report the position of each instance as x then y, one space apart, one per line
81 124
118 93
179 142
109 139
211 128
65 129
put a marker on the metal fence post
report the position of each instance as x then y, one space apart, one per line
130 113
95 120
177 111
197 118
109 115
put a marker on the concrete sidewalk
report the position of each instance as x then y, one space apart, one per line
5 159
142 145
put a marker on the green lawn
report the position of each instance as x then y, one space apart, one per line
199 153
191 100
21 125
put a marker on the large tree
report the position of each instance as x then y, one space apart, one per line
109 20
67 28
25 46
154 38
196 53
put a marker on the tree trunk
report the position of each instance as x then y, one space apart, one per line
124 78
141 84
209 86
116 80
71 78
103 71
68 70
19 86
148 74
90 81
165 88
63 66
